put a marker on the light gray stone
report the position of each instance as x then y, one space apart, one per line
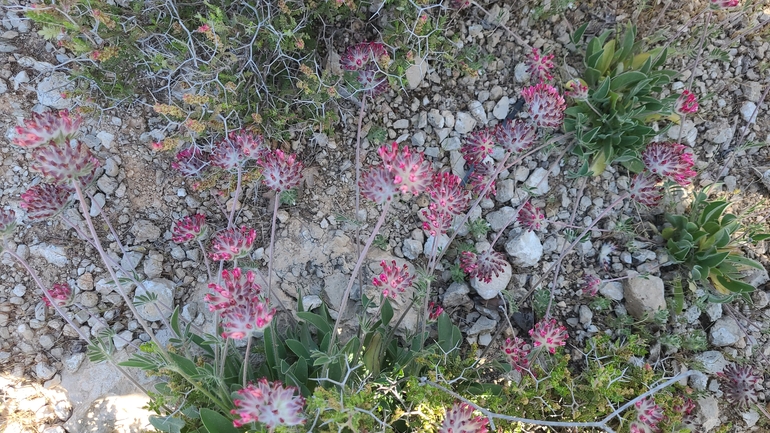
483 324
153 265
411 248
750 418
144 230
122 339
464 123
107 184
456 295
497 284
749 112
689 132
585 315
644 295
520 73
538 181
501 108
163 306
525 249
89 299
435 119
418 139
451 143
725 332
504 190
499 218
713 361
401 124
131 260
752 90
50 89
416 72
19 79
442 243
44 371
311 302
708 413
106 138
53 254
477 111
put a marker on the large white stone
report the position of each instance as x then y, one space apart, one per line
160 308
525 249
496 285
644 295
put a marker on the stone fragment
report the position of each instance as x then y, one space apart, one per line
44 371
51 88
725 332
144 230
496 285
464 123
484 324
644 296
525 249
416 72
53 254
456 295
538 181
749 112
163 306
501 108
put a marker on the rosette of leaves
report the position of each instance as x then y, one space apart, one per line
708 244
624 83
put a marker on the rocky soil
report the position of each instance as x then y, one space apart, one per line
51 386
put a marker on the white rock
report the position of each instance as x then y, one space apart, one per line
525 249
501 108
748 112
122 339
416 73
144 230
725 332
496 285
464 123
689 132
153 265
20 79
644 295
97 204
442 243
538 181
163 306
478 112
53 254
456 295
44 371
106 138
750 418
520 73
50 89
713 361
585 315
411 248
483 324
499 218
311 302
708 413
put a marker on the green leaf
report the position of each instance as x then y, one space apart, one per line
578 35
608 52
298 348
216 422
734 286
713 211
712 260
371 357
745 262
627 79
175 322
760 237
627 45
183 365
167 424
387 312
600 93
319 322
592 76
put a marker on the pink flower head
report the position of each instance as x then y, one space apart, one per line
7 222
434 311
356 57
530 217
645 190
480 177
460 419
270 404
539 67
411 173
484 265
231 244
515 135
189 228
436 222
576 90
724 4
45 200
66 163
60 293
227 155
669 160
280 172
204 28
253 146
548 334
378 185
591 284
546 105
686 103
447 194
238 288
516 353
372 81
245 318
44 128
190 162
393 280
649 413
640 427
739 384
478 145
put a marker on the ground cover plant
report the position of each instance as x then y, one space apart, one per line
391 353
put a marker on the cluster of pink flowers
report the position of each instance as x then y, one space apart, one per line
686 103
724 4
669 160
7 223
448 198
45 200
189 228
548 334
739 381
240 304
280 172
515 135
60 293
459 419
401 171
539 67
576 90
591 284
270 404
648 416
231 244
483 266
191 162
434 311
516 353
230 154
478 145
530 217
546 105
366 58
46 127
393 280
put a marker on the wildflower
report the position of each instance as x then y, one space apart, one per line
478 145
203 28
227 155
46 127
516 353
270 404
372 81
739 384
231 244
279 171
539 67
189 228
645 190
411 173
45 200
393 280
61 295
378 185
482 265
591 284
546 106
548 334
480 177
724 4
190 162
604 255
7 222
648 414
447 194
355 57
238 287
515 135
434 311
243 319
530 217
576 89
669 160
64 162
460 419
253 146
436 221
459 4
686 103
